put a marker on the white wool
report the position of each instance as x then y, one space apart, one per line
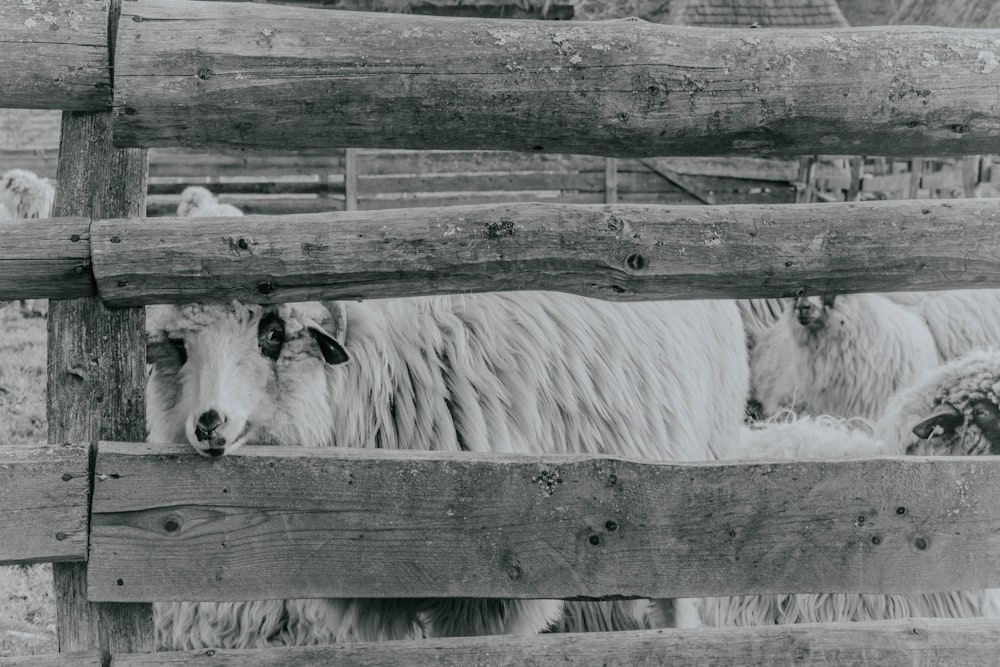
958 383
774 382
960 320
525 372
787 436
867 348
23 194
607 616
198 202
760 314
830 437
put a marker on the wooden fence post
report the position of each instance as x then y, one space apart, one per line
351 179
96 362
611 180
916 171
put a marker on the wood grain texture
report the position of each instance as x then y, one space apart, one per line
96 365
237 75
44 503
192 163
54 54
287 522
79 659
914 643
45 258
384 162
610 252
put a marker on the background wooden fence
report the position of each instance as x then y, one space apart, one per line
630 529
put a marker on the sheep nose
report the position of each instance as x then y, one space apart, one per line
208 422
803 304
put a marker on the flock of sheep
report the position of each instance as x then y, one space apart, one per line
533 372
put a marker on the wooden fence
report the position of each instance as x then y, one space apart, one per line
126 524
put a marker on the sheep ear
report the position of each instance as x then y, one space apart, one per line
946 416
333 352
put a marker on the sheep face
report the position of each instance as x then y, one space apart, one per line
223 375
813 312
951 431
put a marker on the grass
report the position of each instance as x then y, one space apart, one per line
27 607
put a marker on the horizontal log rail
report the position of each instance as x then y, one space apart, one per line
623 252
288 522
918 642
241 75
54 55
416 523
213 74
44 503
74 659
923 642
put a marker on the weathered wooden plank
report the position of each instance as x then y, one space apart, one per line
524 180
288 522
913 643
54 54
42 162
235 75
513 196
970 175
611 181
856 164
167 162
44 258
28 129
384 162
96 365
79 659
44 502
613 252
761 169
351 180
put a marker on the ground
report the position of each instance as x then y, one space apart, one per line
27 610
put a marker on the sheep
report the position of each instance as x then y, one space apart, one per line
839 355
23 195
758 315
952 410
955 410
198 202
524 372
959 320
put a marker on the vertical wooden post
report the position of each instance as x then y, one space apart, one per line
96 362
970 174
916 172
96 365
611 180
857 166
804 187
351 179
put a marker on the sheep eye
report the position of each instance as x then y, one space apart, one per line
271 336
178 345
